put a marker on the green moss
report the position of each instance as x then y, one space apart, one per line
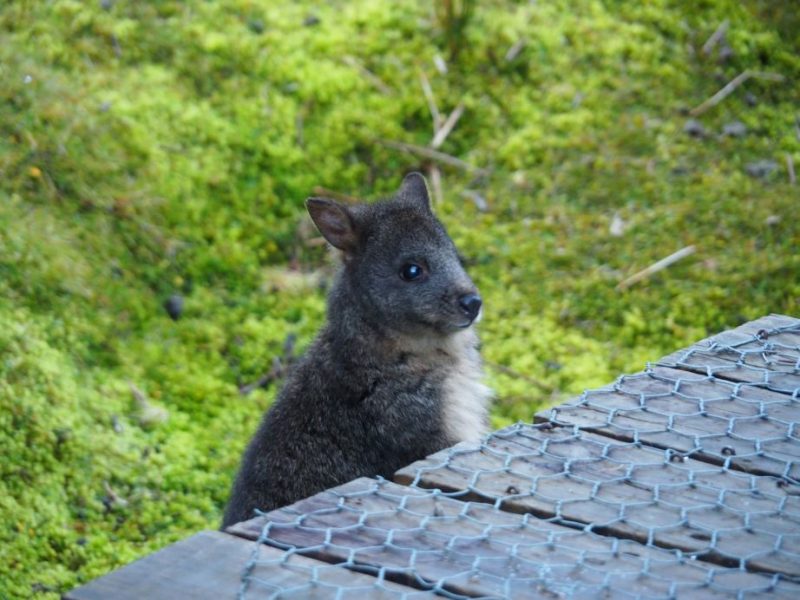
148 149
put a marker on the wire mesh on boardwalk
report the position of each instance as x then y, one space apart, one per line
680 481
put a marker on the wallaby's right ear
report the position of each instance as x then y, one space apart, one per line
334 222
414 188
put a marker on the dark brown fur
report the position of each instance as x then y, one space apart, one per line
394 374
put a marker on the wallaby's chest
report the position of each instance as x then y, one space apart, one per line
460 399
465 399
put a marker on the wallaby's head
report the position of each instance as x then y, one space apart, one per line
399 263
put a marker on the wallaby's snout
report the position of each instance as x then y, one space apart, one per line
471 305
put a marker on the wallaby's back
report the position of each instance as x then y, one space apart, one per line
395 373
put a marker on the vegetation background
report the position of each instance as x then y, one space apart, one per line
157 150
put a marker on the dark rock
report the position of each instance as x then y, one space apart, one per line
311 20
734 129
679 170
256 25
174 306
694 128
760 169
63 434
750 98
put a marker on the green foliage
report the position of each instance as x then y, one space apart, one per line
155 148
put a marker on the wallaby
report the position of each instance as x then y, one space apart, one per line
394 375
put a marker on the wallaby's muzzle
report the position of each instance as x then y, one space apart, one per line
471 305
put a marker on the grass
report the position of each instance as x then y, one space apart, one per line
160 148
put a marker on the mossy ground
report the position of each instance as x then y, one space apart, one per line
155 148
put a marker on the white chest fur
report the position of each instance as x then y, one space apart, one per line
465 400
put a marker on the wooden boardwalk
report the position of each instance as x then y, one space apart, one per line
679 481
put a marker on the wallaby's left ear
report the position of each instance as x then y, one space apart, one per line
414 189
334 222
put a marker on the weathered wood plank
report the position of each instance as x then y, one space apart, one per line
717 421
764 352
474 549
210 565
627 490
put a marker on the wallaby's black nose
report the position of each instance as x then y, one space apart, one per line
470 304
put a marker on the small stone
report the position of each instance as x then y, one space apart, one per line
174 306
290 87
256 26
116 424
311 20
772 220
725 54
750 98
734 129
617 226
760 169
694 128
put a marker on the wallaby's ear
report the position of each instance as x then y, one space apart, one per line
414 188
334 222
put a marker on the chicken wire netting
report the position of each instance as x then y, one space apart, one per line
765 353
433 542
673 482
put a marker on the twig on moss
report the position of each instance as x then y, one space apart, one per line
427 91
432 154
731 86
299 125
448 126
376 81
314 242
435 175
790 169
112 498
514 51
276 372
715 37
333 194
516 374
656 267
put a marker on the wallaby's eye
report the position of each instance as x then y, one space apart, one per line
411 272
